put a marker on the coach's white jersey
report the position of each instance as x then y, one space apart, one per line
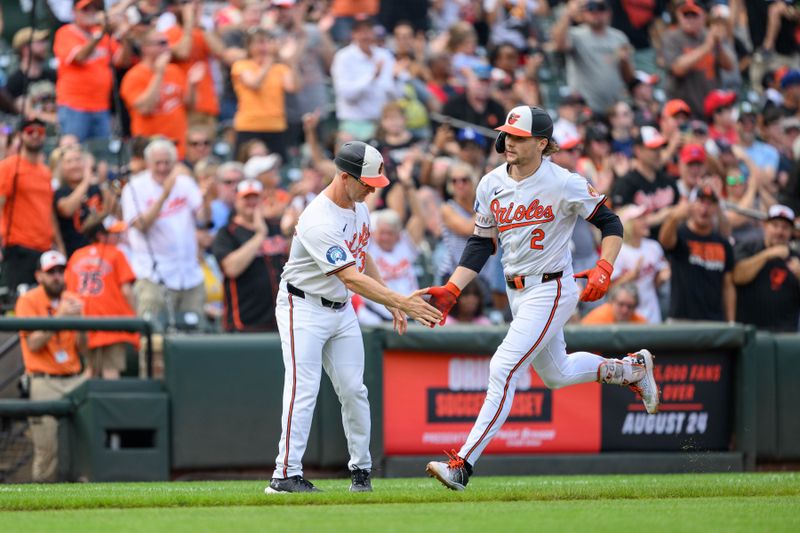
328 238
534 218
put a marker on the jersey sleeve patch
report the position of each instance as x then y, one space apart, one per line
336 255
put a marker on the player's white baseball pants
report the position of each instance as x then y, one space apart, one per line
312 338
535 336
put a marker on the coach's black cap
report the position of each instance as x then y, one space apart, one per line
528 121
362 161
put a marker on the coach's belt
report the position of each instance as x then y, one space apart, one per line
518 282
57 376
324 301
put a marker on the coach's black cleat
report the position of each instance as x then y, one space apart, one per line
360 480
453 474
289 485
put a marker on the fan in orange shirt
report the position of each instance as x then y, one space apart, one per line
27 220
261 83
102 277
158 95
191 45
51 357
621 308
85 53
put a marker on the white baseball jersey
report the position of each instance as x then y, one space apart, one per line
650 260
169 244
328 239
534 218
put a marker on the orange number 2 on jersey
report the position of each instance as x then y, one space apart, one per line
536 237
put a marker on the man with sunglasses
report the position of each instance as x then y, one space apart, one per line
26 199
198 145
51 357
695 55
318 325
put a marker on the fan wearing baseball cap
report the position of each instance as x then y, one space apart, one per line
691 167
598 55
101 275
51 357
767 275
701 259
251 252
32 47
718 109
646 184
85 53
695 55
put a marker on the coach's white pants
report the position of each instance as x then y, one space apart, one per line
313 337
535 336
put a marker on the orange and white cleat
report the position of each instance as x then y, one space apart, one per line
454 474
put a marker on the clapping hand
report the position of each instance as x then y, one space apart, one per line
196 73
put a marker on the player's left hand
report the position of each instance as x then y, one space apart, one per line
597 281
399 321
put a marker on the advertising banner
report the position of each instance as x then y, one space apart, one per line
696 407
431 400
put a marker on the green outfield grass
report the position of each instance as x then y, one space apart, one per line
706 502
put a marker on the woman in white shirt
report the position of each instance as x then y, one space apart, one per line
641 261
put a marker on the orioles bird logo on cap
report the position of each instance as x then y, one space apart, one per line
513 117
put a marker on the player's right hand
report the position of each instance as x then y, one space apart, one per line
421 311
444 298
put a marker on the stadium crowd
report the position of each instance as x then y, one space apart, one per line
156 154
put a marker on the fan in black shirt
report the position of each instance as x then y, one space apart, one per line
646 185
475 105
767 276
701 260
32 50
251 253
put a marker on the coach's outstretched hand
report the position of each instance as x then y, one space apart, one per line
399 321
444 298
597 280
420 310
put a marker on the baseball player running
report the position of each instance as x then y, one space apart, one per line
318 326
531 205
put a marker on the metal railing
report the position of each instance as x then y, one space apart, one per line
137 325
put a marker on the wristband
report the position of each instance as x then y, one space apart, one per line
453 289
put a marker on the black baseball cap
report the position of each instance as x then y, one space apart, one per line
596 5
31 122
362 161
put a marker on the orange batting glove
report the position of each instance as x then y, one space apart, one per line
444 298
597 280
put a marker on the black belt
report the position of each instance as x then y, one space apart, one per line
58 376
324 301
518 282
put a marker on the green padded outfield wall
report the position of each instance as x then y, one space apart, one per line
787 371
225 398
225 391
225 404
120 431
